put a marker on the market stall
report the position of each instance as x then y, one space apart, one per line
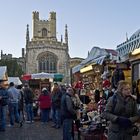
15 80
40 80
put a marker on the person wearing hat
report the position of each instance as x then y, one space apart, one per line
45 105
3 104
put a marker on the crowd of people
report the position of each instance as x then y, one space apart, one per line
16 106
63 106
14 102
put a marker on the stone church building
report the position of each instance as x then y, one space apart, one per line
43 52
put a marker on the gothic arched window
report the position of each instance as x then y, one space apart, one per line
47 62
44 32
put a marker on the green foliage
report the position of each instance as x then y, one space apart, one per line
13 69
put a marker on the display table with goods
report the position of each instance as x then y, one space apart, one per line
93 126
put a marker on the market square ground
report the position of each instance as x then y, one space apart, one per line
34 131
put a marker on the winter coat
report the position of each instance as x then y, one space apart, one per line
125 108
67 107
28 96
45 101
56 99
14 95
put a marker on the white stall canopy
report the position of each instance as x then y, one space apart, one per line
15 80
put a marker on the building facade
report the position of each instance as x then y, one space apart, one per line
44 53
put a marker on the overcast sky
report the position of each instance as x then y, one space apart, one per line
102 23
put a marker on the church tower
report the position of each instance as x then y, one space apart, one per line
45 29
44 52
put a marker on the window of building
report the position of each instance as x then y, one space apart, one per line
47 62
44 32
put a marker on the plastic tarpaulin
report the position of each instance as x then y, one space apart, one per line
26 77
16 80
42 75
58 77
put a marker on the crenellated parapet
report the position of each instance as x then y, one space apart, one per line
39 25
53 15
35 15
43 21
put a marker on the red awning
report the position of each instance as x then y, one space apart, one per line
26 77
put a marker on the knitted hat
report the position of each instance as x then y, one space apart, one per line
44 89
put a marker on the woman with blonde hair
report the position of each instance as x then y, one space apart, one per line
121 111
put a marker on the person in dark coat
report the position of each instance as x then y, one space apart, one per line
56 104
68 114
28 97
21 103
121 111
77 106
3 104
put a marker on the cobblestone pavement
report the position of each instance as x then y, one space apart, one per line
34 131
